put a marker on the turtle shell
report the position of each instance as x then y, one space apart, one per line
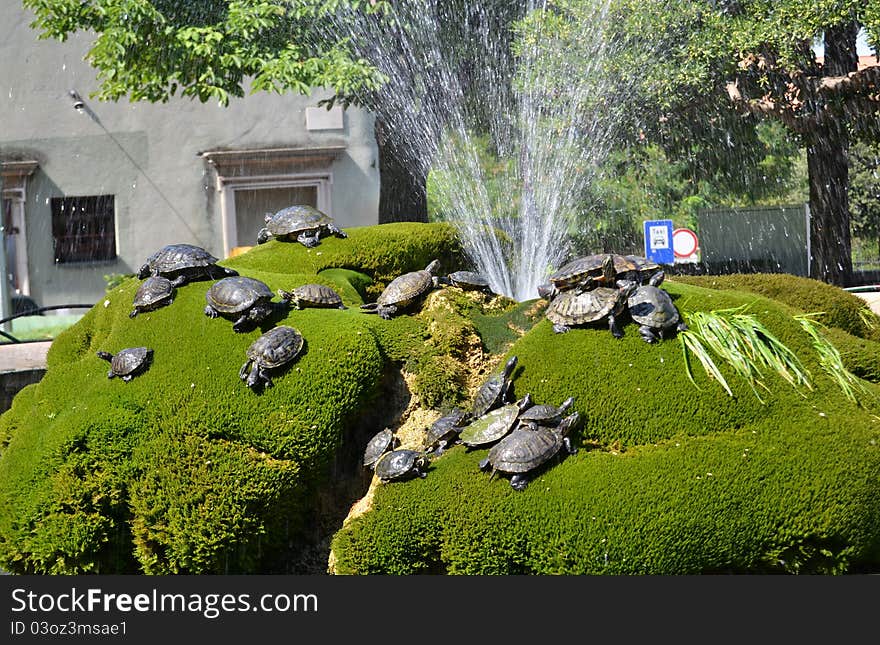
643 268
315 295
154 292
652 306
381 442
490 427
409 287
128 361
525 449
591 266
237 293
580 307
276 347
546 414
296 219
468 280
445 426
400 463
493 391
176 257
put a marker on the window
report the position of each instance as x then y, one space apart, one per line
83 229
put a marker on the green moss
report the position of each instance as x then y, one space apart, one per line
186 470
669 479
840 308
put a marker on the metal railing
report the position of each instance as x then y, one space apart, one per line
35 312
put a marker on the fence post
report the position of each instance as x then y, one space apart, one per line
5 292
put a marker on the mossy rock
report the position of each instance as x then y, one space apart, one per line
186 470
839 308
669 478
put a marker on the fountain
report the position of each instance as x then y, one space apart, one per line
545 128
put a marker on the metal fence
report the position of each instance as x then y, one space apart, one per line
764 239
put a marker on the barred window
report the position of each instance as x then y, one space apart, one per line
84 228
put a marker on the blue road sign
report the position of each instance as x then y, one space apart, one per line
658 241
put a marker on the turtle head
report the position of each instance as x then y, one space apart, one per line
509 367
568 423
628 289
263 236
525 403
608 272
143 272
433 267
566 405
107 356
547 290
657 279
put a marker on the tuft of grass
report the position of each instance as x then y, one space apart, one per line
744 344
830 358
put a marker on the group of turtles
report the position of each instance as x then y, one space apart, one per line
606 286
244 300
521 436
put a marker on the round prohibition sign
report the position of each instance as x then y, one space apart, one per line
684 242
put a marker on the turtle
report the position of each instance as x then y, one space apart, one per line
298 223
652 308
584 273
275 348
182 263
404 291
247 301
312 295
576 307
444 431
644 269
467 280
382 442
545 415
495 391
493 425
401 464
128 363
524 450
154 292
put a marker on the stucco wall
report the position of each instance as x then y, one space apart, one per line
146 155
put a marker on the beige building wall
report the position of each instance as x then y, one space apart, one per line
176 170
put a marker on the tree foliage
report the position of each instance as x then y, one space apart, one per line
211 49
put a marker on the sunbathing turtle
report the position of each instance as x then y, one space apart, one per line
493 425
652 308
467 280
643 269
401 464
524 450
495 391
405 290
128 363
247 301
444 431
154 292
182 263
584 273
313 295
299 223
272 350
382 442
575 307
545 415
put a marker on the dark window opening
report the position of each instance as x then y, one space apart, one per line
84 229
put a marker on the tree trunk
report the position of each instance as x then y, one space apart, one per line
831 252
828 167
402 187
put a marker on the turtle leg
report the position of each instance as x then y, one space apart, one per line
243 372
484 463
179 281
519 481
110 374
566 443
210 311
648 334
560 328
126 377
387 312
614 326
134 312
242 323
264 377
308 241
